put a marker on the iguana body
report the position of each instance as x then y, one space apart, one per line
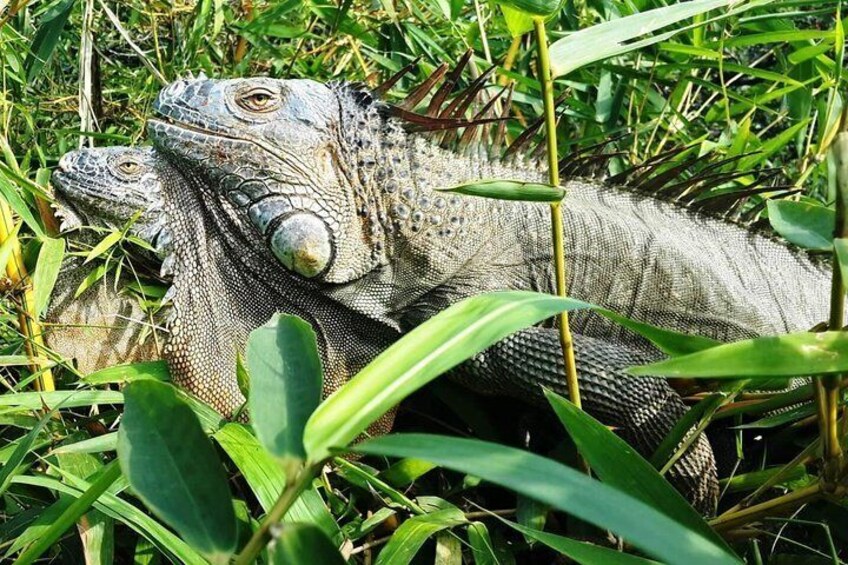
310 190
600 363
104 326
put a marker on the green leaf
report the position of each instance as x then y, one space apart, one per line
242 377
125 513
481 544
286 378
668 341
173 467
617 464
789 355
805 224
10 193
71 514
60 399
406 471
615 37
426 352
517 22
12 465
561 487
97 273
533 7
104 245
753 480
155 370
510 190
47 271
303 543
412 534
580 551
47 37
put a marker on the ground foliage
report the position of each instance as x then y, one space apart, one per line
761 87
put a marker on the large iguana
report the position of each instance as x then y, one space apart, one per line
600 361
104 326
303 189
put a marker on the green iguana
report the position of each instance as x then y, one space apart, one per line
600 362
103 326
301 189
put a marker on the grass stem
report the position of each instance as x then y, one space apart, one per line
261 537
544 72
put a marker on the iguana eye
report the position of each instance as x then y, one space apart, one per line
129 167
258 100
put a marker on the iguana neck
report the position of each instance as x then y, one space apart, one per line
429 244
225 285
641 256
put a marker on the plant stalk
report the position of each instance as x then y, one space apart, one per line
262 536
27 316
547 83
770 507
831 383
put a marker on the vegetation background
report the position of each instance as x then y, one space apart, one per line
761 88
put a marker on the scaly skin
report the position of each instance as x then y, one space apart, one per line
341 201
87 180
103 327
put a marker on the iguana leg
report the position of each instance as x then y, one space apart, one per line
642 410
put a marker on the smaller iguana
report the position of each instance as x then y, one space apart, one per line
104 326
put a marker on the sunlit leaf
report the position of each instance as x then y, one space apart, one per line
617 464
286 380
46 272
510 190
47 37
561 487
155 370
420 356
412 534
789 355
618 36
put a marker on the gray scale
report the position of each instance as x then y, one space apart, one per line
265 211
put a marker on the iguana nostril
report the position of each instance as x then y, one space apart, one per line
301 242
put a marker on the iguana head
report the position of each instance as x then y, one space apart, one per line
110 186
276 151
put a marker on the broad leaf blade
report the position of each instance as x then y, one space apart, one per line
426 352
617 464
47 271
561 487
581 551
285 380
615 37
173 467
789 355
47 36
805 224
153 370
412 534
267 480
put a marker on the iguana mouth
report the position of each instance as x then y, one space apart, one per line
69 216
